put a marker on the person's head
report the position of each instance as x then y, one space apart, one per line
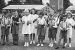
38 12
33 11
64 18
26 12
69 15
41 15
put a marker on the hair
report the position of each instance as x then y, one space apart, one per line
70 14
33 9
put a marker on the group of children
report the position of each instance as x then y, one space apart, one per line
36 24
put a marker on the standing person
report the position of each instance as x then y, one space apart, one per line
33 18
51 33
40 29
71 23
26 27
5 26
56 19
63 32
15 28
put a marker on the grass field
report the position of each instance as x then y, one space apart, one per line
33 47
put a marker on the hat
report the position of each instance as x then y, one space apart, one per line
26 10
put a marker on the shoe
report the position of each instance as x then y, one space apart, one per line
56 47
42 45
38 44
69 45
31 42
51 45
55 41
65 44
63 47
25 44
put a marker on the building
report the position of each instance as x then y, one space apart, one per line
56 4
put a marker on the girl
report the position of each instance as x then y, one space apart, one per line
26 27
33 18
71 23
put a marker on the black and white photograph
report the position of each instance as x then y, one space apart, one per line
37 24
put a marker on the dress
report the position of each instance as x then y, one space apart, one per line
70 23
25 27
32 18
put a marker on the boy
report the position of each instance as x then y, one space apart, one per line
15 28
5 26
40 29
63 32
51 33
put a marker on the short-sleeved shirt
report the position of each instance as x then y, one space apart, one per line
41 21
63 24
70 22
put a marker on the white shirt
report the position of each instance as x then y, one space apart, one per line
63 24
70 22
56 22
41 21
7 21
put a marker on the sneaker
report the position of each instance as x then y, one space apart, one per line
27 44
51 45
31 42
42 45
56 47
55 41
69 45
65 44
38 44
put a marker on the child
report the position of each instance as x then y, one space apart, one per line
26 27
63 32
51 33
71 23
5 26
56 19
33 18
40 29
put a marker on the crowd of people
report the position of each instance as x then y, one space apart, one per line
36 22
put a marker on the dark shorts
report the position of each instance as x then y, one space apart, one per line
51 33
63 33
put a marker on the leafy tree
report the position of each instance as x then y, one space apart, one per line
66 4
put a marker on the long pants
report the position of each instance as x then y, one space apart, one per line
41 34
15 38
15 31
63 35
4 34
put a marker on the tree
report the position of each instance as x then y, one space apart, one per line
66 4
2 4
